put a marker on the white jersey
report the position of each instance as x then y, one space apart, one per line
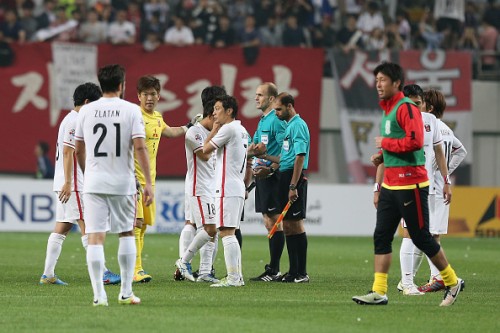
200 174
432 137
66 137
231 142
108 127
451 147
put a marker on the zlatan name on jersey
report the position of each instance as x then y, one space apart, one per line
106 113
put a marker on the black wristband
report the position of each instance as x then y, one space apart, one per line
188 125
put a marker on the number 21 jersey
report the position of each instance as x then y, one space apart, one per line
108 126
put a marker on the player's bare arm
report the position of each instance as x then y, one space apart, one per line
80 154
65 193
174 132
443 169
141 153
298 165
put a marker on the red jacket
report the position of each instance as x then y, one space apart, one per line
414 140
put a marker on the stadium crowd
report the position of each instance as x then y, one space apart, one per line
346 24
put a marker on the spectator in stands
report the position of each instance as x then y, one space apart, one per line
449 16
371 19
376 41
322 8
160 8
471 16
153 25
404 29
224 35
324 35
205 19
349 37
28 21
238 11
121 31
353 8
45 168
293 34
250 40
263 10
134 15
394 39
179 34
200 33
272 33
488 38
152 41
492 13
468 41
63 29
48 15
302 10
428 32
184 8
11 29
92 30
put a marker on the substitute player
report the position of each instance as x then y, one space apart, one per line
68 184
108 131
230 139
148 93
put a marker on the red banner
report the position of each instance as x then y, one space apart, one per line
28 94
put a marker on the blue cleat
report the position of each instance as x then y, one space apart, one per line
52 280
111 278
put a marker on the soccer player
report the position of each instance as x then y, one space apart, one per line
108 131
200 189
293 161
68 184
410 255
188 232
405 188
454 155
230 139
148 93
270 132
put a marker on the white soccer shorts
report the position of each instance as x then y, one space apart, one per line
203 210
228 211
105 212
438 224
71 211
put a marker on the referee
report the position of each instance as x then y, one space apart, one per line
293 160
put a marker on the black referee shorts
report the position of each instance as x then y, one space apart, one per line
298 209
266 198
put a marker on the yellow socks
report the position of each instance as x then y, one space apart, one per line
449 276
380 283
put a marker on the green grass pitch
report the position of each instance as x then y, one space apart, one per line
339 268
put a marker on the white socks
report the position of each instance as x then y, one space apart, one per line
201 238
418 256
54 247
206 257
186 237
95 264
232 256
126 258
406 261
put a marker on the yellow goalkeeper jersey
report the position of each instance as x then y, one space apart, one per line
154 125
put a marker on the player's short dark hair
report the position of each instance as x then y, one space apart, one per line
435 98
228 102
208 96
411 90
285 99
110 77
393 71
85 91
147 82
